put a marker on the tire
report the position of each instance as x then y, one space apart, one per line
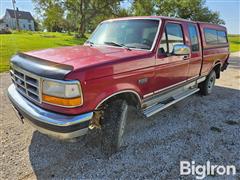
113 125
206 87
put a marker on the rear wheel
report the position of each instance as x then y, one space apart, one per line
206 87
113 126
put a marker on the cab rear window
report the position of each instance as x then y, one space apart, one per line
213 36
222 38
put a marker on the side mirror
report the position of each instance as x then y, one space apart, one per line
180 50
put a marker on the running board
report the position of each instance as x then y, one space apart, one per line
162 105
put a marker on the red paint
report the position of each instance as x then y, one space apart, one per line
105 70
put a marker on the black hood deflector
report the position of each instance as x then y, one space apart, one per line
41 67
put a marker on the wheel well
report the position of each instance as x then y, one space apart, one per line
131 98
217 69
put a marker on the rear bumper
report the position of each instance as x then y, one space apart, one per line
50 123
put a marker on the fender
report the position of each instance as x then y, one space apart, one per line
116 90
217 62
120 92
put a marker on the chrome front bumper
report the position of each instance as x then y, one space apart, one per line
47 122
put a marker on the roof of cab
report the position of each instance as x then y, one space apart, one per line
148 17
161 17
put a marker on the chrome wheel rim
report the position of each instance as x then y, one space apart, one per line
211 83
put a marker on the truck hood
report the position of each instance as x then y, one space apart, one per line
83 56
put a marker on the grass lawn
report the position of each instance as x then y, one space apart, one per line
234 42
10 44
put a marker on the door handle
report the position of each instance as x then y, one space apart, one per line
185 57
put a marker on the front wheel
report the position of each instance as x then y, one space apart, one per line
113 125
206 87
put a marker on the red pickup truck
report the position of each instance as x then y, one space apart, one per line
148 62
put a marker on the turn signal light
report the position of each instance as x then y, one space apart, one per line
67 102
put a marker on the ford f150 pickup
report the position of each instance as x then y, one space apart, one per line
147 62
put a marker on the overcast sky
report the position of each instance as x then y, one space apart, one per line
229 11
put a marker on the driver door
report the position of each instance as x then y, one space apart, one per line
171 70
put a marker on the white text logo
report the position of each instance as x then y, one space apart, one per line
201 171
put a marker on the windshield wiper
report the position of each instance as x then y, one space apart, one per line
117 44
138 47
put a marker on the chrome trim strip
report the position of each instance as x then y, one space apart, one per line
42 115
147 95
160 90
195 77
120 92
137 18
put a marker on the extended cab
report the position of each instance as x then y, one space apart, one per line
148 62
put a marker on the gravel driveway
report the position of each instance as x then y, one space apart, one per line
197 128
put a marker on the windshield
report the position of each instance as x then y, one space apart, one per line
137 33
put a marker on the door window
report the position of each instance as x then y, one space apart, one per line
192 30
173 35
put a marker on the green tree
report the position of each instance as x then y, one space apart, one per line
86 12
143 7
37 24
52 13
83 15
188 9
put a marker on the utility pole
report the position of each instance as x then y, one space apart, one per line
15 13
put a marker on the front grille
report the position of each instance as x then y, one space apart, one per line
26 83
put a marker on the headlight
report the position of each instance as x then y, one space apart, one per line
63 93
